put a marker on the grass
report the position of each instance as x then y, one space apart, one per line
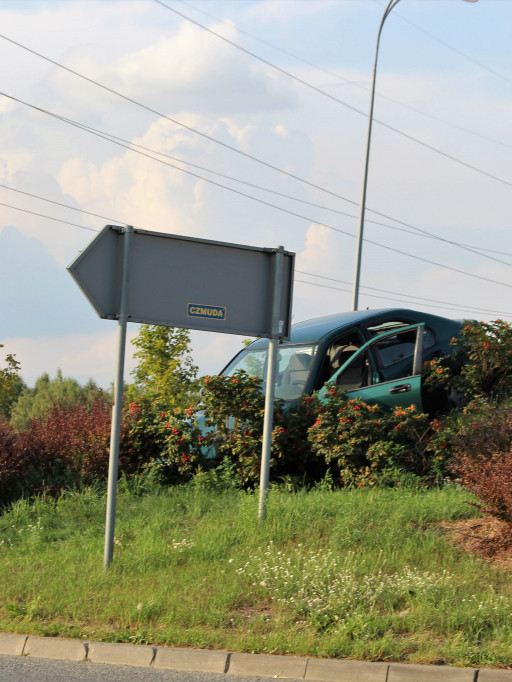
364 574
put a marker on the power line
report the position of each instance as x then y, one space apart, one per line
339 77
397 293
349 234
442 304
401 300
130 146
175 121
312 220
49 217
454 49
335 99
239 151
56 203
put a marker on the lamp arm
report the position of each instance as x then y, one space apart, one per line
357 271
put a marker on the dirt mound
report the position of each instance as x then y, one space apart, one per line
486 537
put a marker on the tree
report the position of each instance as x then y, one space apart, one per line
11 385
166 372
38 402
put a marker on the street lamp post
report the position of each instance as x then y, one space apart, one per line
359 249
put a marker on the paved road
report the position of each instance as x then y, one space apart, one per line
52 659
27 669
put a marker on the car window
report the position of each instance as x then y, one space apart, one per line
293 367
388 356
397 384
251 361
396 348
356 375
339 350
429 336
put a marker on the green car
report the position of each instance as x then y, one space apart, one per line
375 355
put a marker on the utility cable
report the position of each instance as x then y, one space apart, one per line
49 217
387 298
129 146
335 99
90 229
239 151
173 120
355 84
397 293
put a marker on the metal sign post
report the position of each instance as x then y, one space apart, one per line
276 325
172 280
115 432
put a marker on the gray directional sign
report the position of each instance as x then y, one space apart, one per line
155 278
185 282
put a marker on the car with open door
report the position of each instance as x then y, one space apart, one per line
375 355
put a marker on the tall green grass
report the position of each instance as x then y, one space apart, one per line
361 573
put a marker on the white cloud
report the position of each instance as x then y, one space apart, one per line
148 53
80 356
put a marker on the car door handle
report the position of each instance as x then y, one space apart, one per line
401 388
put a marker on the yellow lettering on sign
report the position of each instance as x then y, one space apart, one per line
195 310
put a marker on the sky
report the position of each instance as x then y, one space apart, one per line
246 121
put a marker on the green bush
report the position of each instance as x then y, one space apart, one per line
364 445
480 364
227 427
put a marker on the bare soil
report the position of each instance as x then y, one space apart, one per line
485 537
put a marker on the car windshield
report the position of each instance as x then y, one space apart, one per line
293 368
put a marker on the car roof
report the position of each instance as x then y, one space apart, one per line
317 328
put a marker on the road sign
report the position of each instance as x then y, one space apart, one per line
154 278
185 282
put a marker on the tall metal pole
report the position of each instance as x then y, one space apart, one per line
271 380
115 431
357 270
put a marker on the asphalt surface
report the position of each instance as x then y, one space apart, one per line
31 658
28 669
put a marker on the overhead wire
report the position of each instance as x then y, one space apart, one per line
203 134
49 217
401 300
129 146
235 149
355 84
403 297
173 120
253 158
397 293
331 227
454 49
335 99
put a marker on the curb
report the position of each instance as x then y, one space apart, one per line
224 662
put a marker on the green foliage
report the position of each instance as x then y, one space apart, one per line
488 347
232 409
480 365
37 402
232 413
481 429
364 574
366 446
165 371
224 429
11 385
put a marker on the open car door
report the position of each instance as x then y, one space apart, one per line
385 370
